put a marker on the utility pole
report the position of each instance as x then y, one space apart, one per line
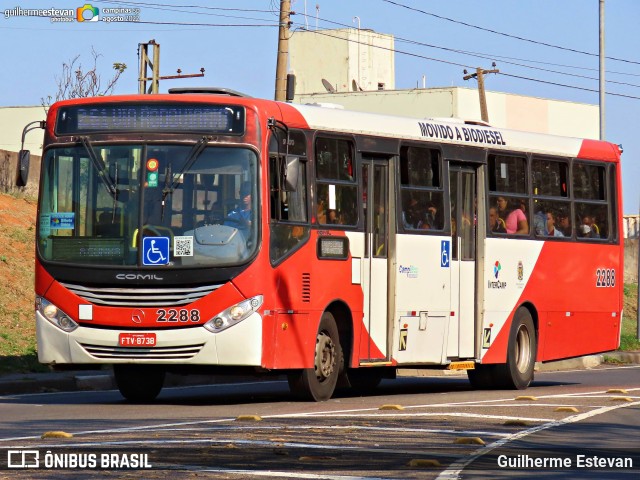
479 75
146 63
283 50
602 86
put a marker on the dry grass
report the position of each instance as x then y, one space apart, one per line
17 326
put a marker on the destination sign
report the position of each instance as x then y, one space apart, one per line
105 118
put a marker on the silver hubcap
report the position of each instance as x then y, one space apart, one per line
325 356
523 349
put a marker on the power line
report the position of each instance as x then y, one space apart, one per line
186 24
319 32
497 57
152 4
178 8
505 34
493 57
568 86
477 54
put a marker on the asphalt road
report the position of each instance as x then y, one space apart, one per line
256 429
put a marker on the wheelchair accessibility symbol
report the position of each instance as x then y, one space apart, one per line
445 249
155 250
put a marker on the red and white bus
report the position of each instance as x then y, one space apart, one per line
209 230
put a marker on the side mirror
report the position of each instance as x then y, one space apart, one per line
291 174
24 156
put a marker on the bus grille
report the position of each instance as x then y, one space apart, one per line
141 297
156 353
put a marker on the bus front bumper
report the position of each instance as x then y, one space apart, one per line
239 345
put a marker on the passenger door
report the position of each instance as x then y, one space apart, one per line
463 196
375 181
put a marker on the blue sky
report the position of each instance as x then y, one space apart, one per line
236 43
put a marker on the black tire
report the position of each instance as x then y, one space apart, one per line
139 383
319 383
517 373
481 377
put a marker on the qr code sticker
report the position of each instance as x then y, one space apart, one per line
183 246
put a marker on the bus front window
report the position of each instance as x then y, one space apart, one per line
99 210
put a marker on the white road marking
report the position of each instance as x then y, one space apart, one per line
424 414
337 427
296 474
453 471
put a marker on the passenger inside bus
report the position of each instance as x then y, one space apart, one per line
411 214
589 229
514 218
563 223
496 224
241 217
552 230
540 222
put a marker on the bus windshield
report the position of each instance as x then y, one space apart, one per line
106 204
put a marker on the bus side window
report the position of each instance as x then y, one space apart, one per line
421 195
289 219
336 191
509 194
591 210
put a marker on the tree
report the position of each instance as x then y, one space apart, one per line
76 82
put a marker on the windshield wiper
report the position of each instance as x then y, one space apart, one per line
175 178
99 165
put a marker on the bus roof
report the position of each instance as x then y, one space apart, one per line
452 131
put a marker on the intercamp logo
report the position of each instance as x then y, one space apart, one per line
88 13
23 459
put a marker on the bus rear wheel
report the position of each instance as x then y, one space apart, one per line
517 373
318 383
139 383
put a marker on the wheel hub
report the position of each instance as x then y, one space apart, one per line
325 356
523 349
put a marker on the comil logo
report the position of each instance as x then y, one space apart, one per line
496 269
88 13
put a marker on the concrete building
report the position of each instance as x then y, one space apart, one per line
346 59
13 120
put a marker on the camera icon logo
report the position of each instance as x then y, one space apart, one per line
87 13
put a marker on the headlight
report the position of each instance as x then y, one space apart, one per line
55 315
234 314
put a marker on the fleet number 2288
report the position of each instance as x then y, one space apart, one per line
178 315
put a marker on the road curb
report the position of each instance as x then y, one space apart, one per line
103 379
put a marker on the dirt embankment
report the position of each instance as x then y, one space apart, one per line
17 234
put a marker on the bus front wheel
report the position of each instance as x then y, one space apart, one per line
517 373
318 383
139 383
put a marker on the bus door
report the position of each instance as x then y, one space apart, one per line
375 195
462 191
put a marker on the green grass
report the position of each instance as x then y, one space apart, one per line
18 355
629 336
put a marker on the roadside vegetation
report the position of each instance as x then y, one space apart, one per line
629 339
17 325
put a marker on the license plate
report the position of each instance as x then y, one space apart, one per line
137 340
